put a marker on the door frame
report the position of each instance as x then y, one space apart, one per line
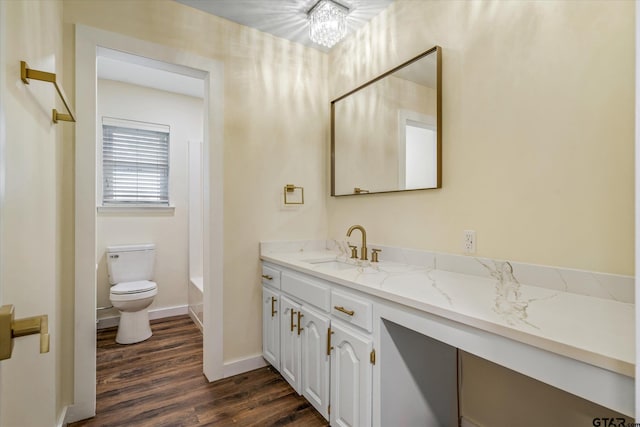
87 41
637 208
3 139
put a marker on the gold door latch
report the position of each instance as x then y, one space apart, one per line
11 328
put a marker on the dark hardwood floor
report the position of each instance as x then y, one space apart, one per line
159 382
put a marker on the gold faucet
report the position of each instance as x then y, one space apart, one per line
363 254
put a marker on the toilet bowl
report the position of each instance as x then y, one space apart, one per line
132 292
132 300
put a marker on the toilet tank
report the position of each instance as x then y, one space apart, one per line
128 263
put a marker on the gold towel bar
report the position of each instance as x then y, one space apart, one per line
27 73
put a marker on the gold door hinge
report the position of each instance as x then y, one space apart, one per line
372 357
329 410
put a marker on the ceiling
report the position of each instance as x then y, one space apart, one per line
282 18
286 18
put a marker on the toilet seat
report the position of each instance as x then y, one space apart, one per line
127 291
133 287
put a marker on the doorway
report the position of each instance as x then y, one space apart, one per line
88 43
149 114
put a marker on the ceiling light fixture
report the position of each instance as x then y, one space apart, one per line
327 22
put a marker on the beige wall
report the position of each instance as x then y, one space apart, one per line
35 217
537 130
537 155
275 129
169 231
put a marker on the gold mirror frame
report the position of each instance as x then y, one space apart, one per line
438 122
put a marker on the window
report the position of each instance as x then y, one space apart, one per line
135 163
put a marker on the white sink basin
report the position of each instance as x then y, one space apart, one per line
333 265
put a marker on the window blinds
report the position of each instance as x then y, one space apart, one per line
135 165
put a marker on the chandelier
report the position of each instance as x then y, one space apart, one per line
327 22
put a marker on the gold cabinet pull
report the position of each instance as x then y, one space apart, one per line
292 313
266 276
329 347
300 316
344 310
10 329
273 308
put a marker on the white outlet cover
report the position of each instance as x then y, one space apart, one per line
469 242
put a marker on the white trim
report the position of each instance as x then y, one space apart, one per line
136 209
240 366
637 213
194 318
135 124
466 422
62 421
161 313
158 313
88 40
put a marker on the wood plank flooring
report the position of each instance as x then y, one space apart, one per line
159 382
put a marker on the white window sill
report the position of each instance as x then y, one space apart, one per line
137 209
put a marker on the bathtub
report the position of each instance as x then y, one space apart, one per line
195 301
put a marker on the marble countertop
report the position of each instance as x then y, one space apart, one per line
589 329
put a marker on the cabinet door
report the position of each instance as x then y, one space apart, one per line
351 378
271 327
290 343
315 360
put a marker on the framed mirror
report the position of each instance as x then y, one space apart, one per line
386 134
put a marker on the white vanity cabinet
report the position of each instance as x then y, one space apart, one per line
321 353
271 326
304 361
290 343
315 359
351 375
416 320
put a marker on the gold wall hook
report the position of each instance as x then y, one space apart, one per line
11 328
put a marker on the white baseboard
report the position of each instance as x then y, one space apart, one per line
240 366
62 422
466 422
194 319
158 313
79 412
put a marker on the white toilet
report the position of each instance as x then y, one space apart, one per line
130 270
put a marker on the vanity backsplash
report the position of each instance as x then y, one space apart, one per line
600 285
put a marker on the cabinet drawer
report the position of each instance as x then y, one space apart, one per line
270 276
307 289
352 309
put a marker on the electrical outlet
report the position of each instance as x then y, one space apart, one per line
469 243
